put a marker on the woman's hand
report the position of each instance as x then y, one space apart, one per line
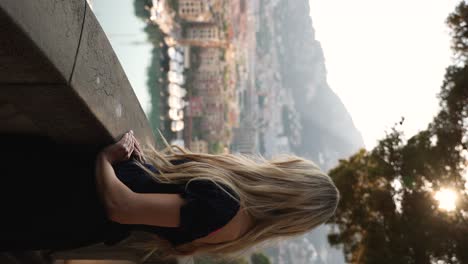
137 152
122 150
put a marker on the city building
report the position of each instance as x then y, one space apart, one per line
195 10
203 35
233 115
244 140
209 76
210 59
204 32
212 122
195 107
199 146
210 91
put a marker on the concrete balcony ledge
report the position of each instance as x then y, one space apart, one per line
60 77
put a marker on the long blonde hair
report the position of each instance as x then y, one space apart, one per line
285 196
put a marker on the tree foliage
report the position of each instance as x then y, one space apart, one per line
141 8
259 258
156 71
457 21
208 260
216 147
388 213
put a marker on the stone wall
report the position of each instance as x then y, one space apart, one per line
60 77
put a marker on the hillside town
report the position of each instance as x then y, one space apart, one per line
211 49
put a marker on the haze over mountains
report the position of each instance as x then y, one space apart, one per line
327 133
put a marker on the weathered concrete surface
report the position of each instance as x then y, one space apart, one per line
100 80
51 110
20 61
60 77
54 26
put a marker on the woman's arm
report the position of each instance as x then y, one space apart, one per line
122 204
113 193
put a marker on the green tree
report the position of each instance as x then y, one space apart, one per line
259 258
141 8
457 23
216 147
156 76
388 213
217 260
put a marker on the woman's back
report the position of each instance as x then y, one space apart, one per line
50 201
207 207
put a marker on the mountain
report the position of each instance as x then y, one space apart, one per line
288 52
328 132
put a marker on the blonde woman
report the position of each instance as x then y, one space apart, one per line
211 203
190 202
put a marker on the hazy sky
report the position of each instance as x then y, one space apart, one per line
385 59
125 33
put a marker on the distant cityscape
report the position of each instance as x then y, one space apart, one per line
233 99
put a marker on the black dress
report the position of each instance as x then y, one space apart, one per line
60 209
207 207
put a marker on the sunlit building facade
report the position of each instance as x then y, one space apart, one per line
199 146
210 60
203 33
245 140
195 10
